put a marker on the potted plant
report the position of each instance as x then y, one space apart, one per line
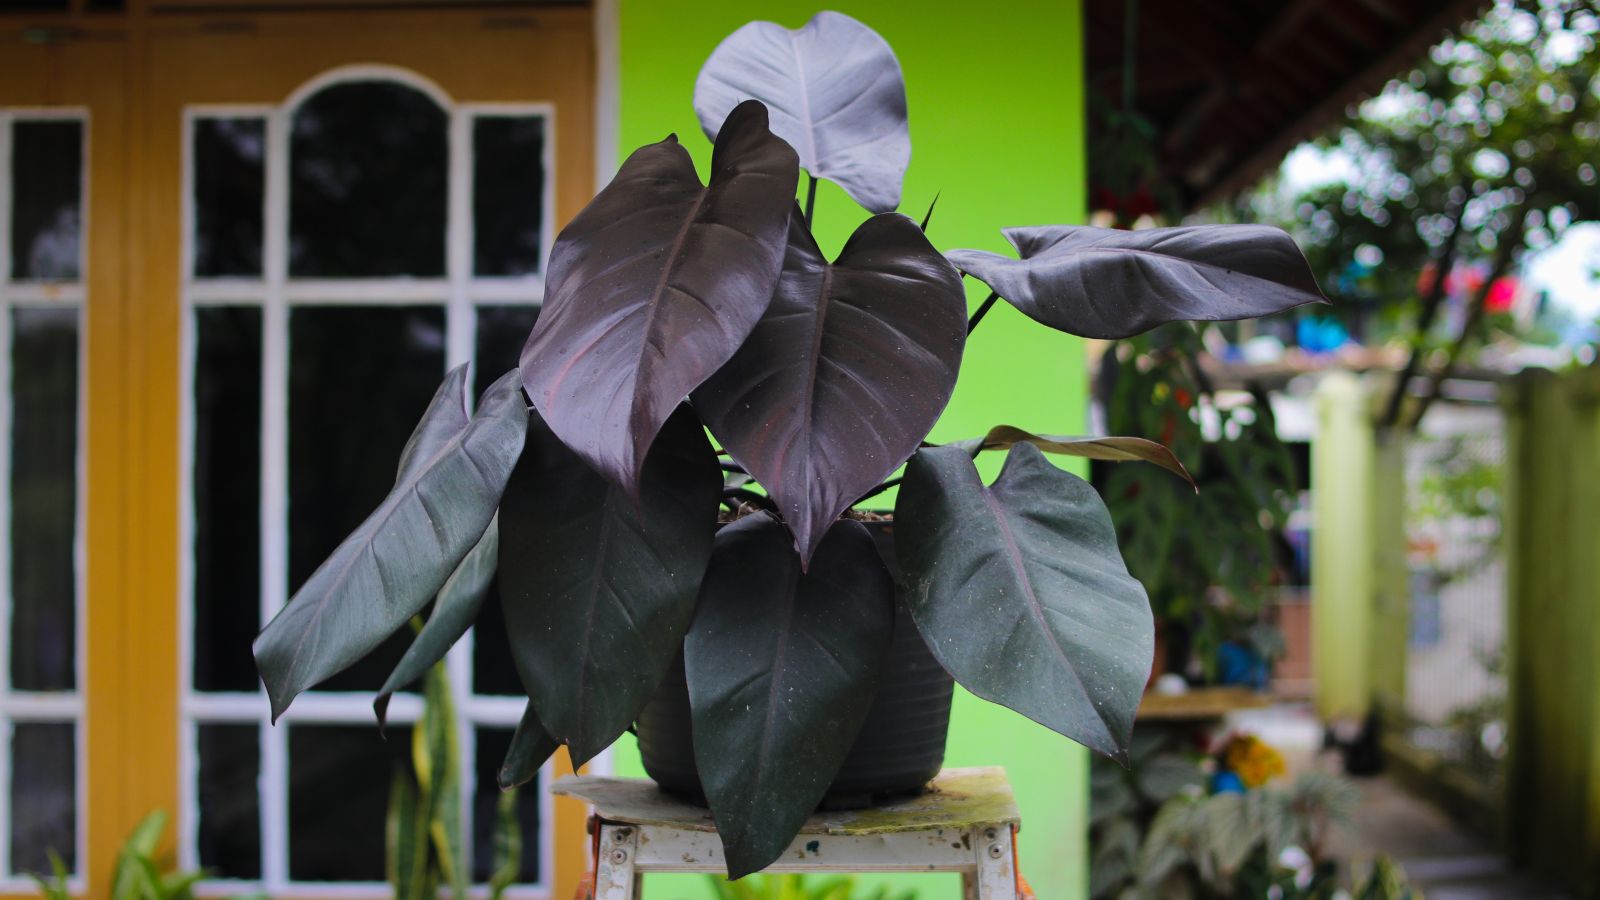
586 483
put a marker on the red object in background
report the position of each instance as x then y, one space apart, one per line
1125 207
1502 295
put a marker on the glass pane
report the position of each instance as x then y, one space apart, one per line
339 778
367 176
227 496
44 812
492 669
488 817
44 497
229 828
359 378
47 191
507 194
229 172
501 332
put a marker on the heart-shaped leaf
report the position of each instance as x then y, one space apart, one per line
530 746
845 374
654 285
1110 283
1110 449
454 611
1022 594
598 592
399 558
782 667
836 95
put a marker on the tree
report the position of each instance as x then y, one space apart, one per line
1486 150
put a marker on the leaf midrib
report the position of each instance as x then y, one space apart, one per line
1035 608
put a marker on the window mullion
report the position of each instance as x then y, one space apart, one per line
275 487
459 338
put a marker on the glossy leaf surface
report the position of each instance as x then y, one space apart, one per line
597 592
454 611
836 95
845 374
389 567
654 285
1021 592
530 746
1110 449
782 667
1110 283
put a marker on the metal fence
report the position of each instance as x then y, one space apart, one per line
1455 674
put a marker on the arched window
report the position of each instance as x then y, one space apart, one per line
344 249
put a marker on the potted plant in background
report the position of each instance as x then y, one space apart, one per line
675 306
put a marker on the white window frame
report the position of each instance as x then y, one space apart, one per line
44 706
459 293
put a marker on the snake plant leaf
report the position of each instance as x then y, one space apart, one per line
1110 449
782 667
454 611
530 746
400 557
836 94
406 840
436 757
1109 283
598 592
845 374
1021 592
654 285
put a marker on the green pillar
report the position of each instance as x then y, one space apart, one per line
997 127
1342 577
1553 602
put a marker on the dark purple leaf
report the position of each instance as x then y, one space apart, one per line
530 746
782 668
597 591
836 95
845 374
451 478
654 285
1109 283
1022 593
454 611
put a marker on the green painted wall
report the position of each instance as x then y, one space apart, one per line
996 106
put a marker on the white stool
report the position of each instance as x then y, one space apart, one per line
965 822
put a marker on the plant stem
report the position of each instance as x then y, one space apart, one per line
811 198
732 467
983 310
893 482
740 497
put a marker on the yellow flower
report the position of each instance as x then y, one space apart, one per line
1253 760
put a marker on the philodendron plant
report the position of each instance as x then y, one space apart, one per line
674 307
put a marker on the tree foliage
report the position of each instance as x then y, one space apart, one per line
1485 150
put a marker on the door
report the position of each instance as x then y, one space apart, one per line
293 222
364 200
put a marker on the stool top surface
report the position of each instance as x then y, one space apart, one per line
956 798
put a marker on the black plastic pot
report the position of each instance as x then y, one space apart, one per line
900 747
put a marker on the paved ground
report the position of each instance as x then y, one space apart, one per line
1438 856
1443 859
